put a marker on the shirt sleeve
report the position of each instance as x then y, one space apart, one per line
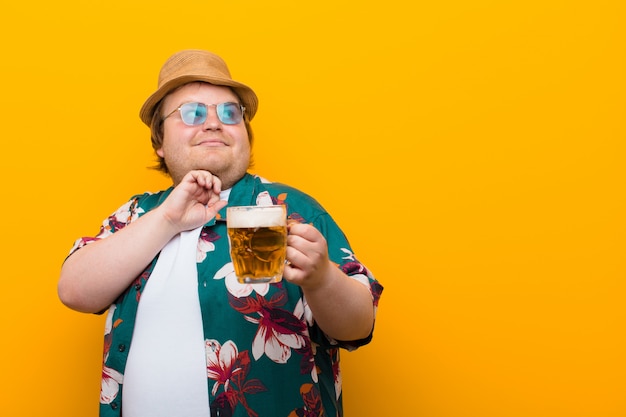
122 217
341 254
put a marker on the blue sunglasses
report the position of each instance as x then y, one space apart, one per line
194 114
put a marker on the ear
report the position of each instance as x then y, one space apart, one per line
159 152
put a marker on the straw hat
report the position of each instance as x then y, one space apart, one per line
196 65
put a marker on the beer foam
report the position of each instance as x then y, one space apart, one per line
259 217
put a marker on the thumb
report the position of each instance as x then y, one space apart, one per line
213 208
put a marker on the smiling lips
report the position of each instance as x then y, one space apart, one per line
211 143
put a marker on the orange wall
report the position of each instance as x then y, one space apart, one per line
473 151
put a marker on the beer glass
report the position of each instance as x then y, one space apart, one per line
258 240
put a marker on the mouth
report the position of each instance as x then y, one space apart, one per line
211 143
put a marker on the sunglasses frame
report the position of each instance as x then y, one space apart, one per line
241 107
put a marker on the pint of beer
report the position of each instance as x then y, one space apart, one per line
258 240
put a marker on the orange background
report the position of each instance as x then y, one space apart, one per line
473 152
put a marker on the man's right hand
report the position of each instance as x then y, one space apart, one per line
194 201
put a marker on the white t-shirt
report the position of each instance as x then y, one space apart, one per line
166 373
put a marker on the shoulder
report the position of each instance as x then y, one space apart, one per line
135 207
148 200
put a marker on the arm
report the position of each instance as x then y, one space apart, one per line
94 276
342 307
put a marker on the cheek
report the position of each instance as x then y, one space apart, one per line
241 136
172 136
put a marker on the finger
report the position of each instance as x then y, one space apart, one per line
299 260
293 274
213 209
217 185
304 234
205 179
291 255
189 179
304 230
213 198
296 242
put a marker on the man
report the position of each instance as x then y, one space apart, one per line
183 337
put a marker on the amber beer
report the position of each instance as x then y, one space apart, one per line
258 240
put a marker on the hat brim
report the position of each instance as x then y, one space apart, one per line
246 95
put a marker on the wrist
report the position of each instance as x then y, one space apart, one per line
163 223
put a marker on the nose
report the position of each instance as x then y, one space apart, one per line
212 121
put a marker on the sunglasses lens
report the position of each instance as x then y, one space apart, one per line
229 113
193 114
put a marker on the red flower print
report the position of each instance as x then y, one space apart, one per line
278 332
229 368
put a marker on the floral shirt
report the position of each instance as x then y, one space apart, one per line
265 355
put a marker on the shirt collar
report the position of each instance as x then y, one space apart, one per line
243 193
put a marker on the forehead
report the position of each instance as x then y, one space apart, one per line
202 92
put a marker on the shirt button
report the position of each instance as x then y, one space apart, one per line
121 347
114 406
